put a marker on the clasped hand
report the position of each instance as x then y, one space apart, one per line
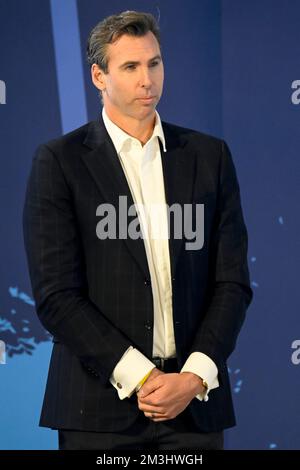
164 396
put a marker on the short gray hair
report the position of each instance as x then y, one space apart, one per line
132 23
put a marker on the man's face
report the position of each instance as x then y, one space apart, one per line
134 82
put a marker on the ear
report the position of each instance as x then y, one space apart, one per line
98 77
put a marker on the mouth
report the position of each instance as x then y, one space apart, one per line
148 99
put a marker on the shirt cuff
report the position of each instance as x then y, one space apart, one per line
203 366
130 370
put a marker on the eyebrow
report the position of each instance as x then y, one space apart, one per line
135 62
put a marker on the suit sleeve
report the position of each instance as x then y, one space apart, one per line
231 293
57 271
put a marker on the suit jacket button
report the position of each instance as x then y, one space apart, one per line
119 385
147 282
148 326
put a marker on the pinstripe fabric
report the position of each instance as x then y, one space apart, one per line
94 295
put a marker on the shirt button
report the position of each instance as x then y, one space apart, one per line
119 385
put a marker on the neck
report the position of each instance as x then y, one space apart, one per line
140 129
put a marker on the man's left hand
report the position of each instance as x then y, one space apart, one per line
167 395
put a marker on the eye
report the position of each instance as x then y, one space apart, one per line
153 64
130 67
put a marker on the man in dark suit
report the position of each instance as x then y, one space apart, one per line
142 325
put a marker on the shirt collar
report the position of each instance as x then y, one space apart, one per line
119 137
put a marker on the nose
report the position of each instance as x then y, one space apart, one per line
145 78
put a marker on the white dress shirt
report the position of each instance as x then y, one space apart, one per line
142 167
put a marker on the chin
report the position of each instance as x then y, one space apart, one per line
147 112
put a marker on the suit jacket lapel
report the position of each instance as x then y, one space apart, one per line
179 174
105 168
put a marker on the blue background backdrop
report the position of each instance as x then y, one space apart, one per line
229 68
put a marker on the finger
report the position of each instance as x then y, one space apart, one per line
151 409
149 404
155 415
146 394
149 387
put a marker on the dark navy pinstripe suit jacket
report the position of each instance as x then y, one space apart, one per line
94 296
